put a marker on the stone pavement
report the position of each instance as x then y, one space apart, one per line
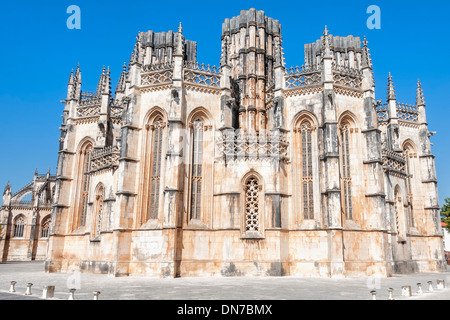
212 288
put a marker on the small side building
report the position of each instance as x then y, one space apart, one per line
25 218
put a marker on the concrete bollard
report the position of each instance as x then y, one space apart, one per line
406 291
391 291
96 294
72 294
28 292
440 284
48 292
12 288
374 294
430 286
419 288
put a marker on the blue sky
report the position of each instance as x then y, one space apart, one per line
38 52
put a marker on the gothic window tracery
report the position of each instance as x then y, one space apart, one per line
346 171
307 171
155 168
98 212
85 155
45 229
408 152
196 171
19 226
252 218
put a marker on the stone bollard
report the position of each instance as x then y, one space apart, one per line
48 292
440 284
72 294
430 286
406 291
96 294
391 297
12 288
28 292
419 290
374 294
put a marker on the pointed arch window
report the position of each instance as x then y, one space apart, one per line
85 180
252 210
19 226
346 171
307 171
98 212
45 229
196 171
155 167
408 153
399 214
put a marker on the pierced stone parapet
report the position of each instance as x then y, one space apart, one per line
88 110
240 145
346 76
407 112
202 74
382 111
394 162
106 158
303 76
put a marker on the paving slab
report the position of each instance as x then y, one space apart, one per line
213 288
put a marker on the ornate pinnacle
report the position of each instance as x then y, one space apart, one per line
180 41
71 77
7 188
106 82
391 90
121 84
420 101
326 43
278 52
366 61
135 57
100 83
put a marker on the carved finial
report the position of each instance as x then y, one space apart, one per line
180 41
326 43
420 101
71 81
7 188
366 61
278 52
390 90
78 74
36 172
123 76
106 85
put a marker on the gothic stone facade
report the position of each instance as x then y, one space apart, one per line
250 168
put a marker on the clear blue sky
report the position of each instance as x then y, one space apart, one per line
38 51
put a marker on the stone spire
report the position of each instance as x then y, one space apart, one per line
420 101
6 201
100 83
77 83
136 56
366 60
70 86
326 44
122 80
390 89
106 85
7 188
180 41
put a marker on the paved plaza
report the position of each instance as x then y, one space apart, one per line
212 288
